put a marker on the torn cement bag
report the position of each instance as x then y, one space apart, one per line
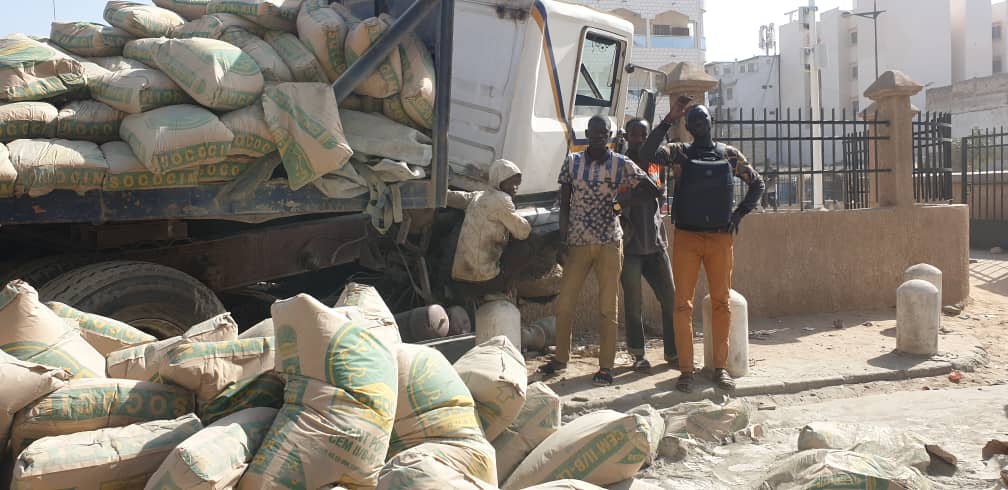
126 173
323 31
305 121
417 94
208 368
138 90
392 171
144 50
538 419
252 137
706 420
21 120
89 404
44 165
116 63
566 485
656 428
104 334
345 183
23 383
188 9
176 137
261 329
8 174
271 64
373 309
214 73
602 448
225 171
393 109
904 448
30 70
494 372
827 468
217 456
214 26
266 390
373 134
386 80
279 15
428 466
121 457
216 329
302 64
140 20
89 38
89 120
142 362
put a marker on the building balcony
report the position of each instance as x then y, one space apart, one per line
669 42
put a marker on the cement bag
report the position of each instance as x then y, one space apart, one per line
323 31
279 15
417 94
538 419
217 456
32 332
116 63
261 329
23 383
89 120
426 467
89 404
141 20
266 390
89 38
208 368
214 73
391 171
375 135
30 70
656 428
213 26
44 165
386 80
602 448
142 362
225 171
566 485
188 9
829 468
126 173
176 137
708 421
302 64
144 50
494 372
362 103
252 137
373 310
20 120
393 109
305 122
104 334
8 174
140 90
122 457
904 448
272 66
217 329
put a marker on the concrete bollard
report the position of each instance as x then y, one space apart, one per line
918 317
738 335
929 273
498 317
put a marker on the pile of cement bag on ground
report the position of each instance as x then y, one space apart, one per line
185 92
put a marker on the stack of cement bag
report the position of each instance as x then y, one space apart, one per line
192 92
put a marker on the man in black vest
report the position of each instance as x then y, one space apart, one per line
705 222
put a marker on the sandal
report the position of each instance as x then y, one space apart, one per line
603 378
641 365
685 382
552 367
724 380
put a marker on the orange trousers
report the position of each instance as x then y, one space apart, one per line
713 250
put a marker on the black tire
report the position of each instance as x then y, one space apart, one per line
38 272
156 299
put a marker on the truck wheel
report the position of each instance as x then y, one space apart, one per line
38 272
156 299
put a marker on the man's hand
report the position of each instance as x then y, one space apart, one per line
736 220
678 109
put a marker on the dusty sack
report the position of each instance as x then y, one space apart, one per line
208 368
213 26
122 457
305 122
393 109
494 372
176 137
216 329
89 38
104 334
372 134
828 468
252 137
302 64
706 420
27 120
89 120
144 50
418 88
386 80
116 63
323 31
127 173
8 174
188 9
566 485
272 14
904 448
656 428
429 466
215 457
138 90
44 165
214 73
89 404
373 310
225 171
271 64
538 419
23 383
602 448
261 329
141 20
266 390
142 362
30 70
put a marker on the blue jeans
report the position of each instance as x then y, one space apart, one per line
657 270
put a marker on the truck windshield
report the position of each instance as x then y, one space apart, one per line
597 81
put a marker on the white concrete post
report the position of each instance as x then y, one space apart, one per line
738 335
929 273
917 317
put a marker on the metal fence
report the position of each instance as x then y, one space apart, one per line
985 175
932 148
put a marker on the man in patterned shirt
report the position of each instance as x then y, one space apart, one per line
592 240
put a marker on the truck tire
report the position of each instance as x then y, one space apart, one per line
38 272
156 299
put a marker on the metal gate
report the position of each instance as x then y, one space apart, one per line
932 148
984 182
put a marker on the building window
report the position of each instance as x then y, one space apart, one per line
853 38
996 66
853 72
729 93
727 70
742 68
753 67
996 31
665 30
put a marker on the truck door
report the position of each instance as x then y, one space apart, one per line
600 78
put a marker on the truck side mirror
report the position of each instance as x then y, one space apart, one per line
646 107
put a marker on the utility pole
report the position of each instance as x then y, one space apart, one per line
814 104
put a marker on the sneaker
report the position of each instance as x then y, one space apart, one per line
603 378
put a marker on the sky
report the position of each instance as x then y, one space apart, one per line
732 26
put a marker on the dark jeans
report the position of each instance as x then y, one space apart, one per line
657 270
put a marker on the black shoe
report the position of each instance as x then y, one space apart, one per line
553 367
724 380
603 378
672 359
685 382
641 365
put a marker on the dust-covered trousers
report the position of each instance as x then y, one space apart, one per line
607 262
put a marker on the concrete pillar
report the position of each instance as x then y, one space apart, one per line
928 273
892 92
738 335
687 79
917 317
647 33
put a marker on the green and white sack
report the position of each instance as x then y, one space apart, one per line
213 26
214 73
267 390
386 80
375 135
538 419
30 70
8 174
271 64
44 165
140 90
144 50
494 372
208 368
831 468
104 334
20 120
176 137
429 466
279 15
323 31
417 94
252 137
117 63
141 20
393 109
302 64
89 38
142 362
89 120
225 171
126 173
23 383
188 9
